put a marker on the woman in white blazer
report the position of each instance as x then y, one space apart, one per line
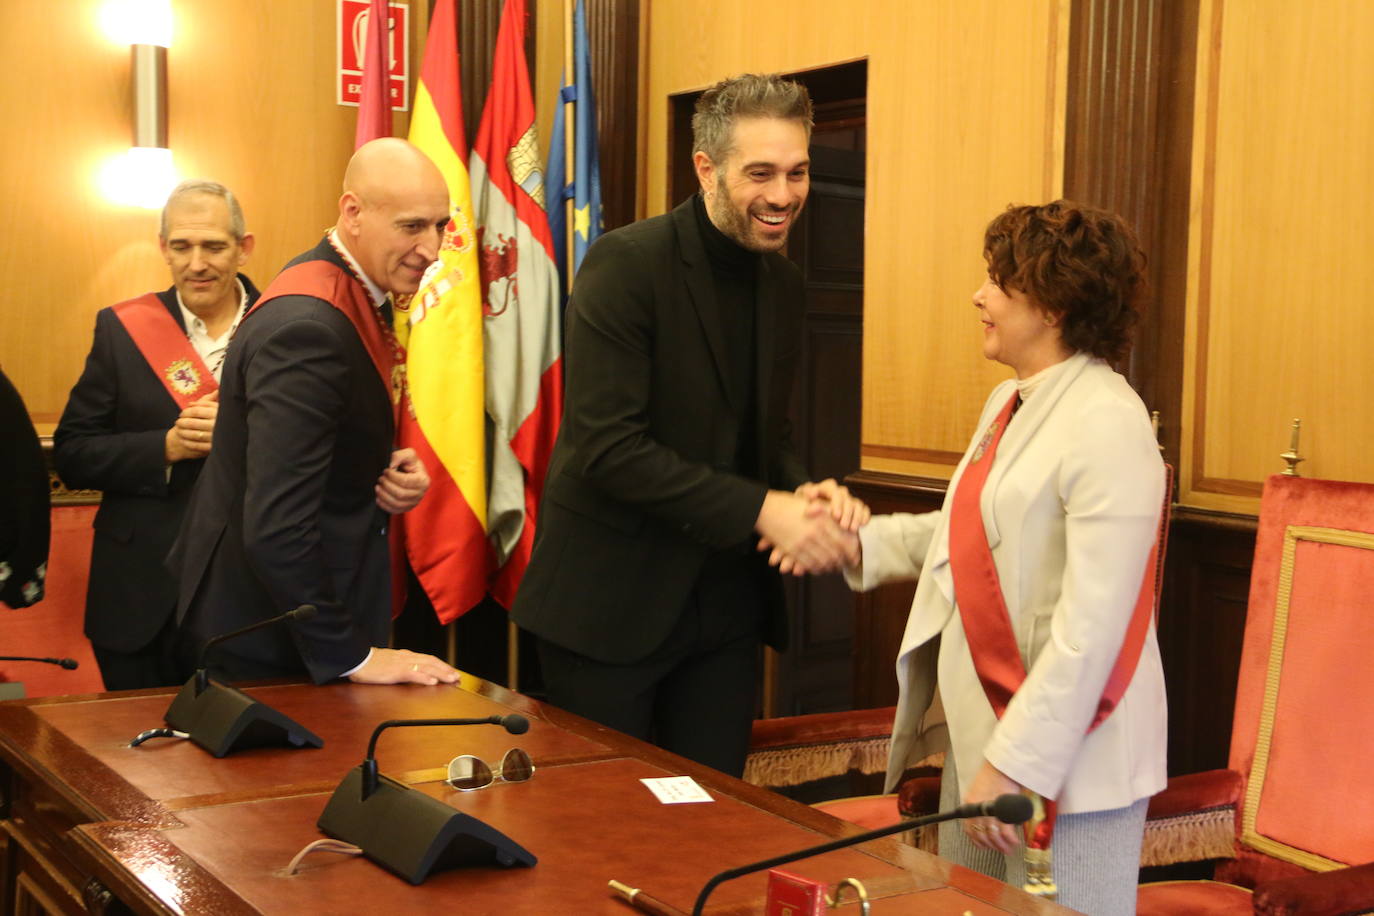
1070 508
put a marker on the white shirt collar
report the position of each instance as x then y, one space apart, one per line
374 292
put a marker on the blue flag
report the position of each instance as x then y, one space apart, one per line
585 188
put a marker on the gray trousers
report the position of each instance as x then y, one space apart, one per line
1096 854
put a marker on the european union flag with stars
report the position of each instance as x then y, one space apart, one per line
585 188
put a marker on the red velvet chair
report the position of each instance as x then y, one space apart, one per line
1295 810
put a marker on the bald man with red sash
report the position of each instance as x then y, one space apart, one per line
295 501
140 421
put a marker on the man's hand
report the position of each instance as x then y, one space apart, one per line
989 832
194 430
803 536
848 511
401 666
403 483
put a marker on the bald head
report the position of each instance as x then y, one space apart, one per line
393 212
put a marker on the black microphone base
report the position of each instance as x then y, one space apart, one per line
223 719
411 833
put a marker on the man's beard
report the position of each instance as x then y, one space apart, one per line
738 225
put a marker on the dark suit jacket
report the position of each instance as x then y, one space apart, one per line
285 513
112 437
639 490
25 510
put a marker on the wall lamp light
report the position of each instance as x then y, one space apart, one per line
143 176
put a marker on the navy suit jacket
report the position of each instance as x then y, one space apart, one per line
284 513
112 437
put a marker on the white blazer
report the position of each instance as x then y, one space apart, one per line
1071 508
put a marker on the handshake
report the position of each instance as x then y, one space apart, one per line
813 530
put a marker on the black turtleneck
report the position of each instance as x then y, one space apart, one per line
734 270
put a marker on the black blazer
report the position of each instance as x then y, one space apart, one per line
284 513
639 490
112 437
25 510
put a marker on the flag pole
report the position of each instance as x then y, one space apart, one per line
569 143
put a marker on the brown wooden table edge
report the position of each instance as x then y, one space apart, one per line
95 847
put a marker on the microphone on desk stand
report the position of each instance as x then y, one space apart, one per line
409 832
70 664
223 719
14 690
1009 809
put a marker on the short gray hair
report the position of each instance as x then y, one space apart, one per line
205 186
749 95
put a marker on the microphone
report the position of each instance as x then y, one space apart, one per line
1012 808
222 719
1009 809
513 723
70 664
407 831
302 613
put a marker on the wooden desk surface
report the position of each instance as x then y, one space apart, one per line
169 829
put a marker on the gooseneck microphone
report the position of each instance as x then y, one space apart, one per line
513 723
223 719
70 664
408 831
304 612
1009 809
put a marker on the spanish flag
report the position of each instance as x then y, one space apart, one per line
445 534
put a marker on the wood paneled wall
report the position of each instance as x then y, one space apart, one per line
251 104
1279 263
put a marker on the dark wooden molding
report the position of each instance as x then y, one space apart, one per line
613 36
1128 148
613 32
478 24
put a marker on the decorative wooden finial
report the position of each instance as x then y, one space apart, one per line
1291 456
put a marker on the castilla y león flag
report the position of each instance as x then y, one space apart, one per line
445 534
519 305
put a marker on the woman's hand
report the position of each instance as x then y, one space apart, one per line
989 832
848 511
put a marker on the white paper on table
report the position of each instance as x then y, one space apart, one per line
677 790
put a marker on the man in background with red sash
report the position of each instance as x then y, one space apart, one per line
293 505
140 421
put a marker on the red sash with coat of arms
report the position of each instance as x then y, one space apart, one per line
167 349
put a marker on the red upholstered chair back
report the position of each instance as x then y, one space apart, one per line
1301 740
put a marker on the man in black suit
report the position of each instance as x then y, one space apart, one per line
290 508
140 421
645 588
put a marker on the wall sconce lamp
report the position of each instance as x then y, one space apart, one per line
143 176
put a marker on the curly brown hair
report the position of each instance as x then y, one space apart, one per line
1080 264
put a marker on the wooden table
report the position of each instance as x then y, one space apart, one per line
94 826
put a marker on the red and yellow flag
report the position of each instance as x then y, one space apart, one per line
446 533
